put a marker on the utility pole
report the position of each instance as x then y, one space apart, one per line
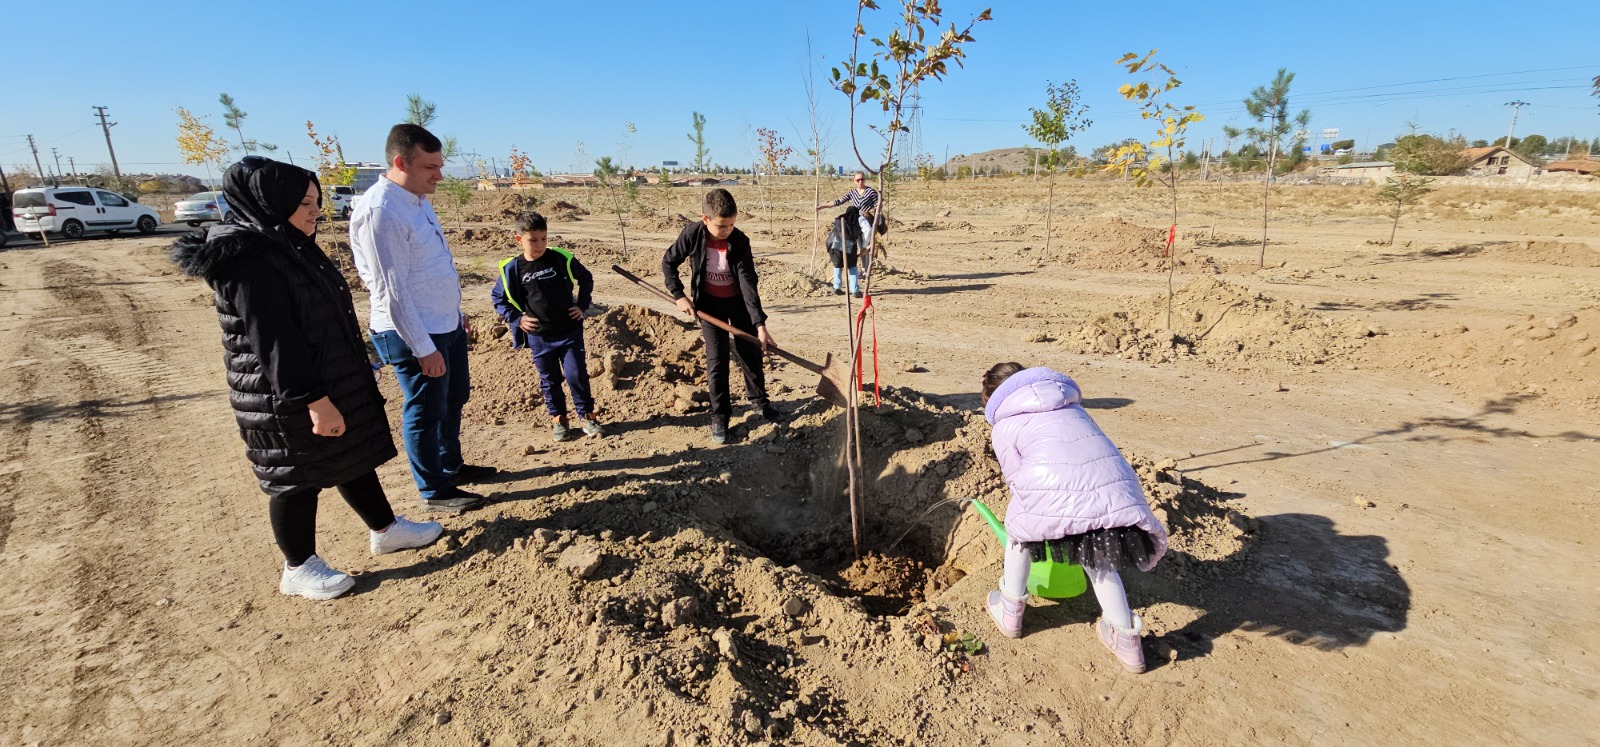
1516 108
35 148
73 163
56 155
105 127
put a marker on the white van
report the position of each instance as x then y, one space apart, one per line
72 211
340 199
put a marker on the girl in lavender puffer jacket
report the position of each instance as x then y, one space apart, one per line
1072 491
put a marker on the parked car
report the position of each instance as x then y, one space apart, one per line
72 211
201 207
340 199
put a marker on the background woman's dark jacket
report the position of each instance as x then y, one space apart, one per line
290 337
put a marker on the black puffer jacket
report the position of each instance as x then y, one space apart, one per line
290 337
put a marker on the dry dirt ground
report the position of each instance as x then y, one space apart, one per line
1380 466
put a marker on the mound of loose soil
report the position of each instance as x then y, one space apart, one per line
1216 321
1560 253
719 592
792 284
509 205
563 210
672 224
640 363
1117 245
1552 358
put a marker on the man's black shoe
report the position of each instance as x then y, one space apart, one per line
471 473
772 414
719 431
858 294
838 291
454 500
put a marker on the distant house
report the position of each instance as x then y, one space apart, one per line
1497 160
696 181
367 175
556 181
1377 171
1586 168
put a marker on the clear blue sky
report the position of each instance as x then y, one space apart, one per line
544 76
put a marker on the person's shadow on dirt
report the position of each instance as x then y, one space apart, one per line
1299 579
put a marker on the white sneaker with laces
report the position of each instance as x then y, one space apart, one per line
314 580
405 534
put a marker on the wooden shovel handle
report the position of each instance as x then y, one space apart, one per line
730 329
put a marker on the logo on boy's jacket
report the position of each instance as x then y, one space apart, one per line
542 274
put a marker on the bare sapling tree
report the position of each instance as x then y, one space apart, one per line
702 156
459 192
199 144
1411 159
233 117
610 176
630 184
665 185
523 174
1155 161
1061 118
1268 105
817 151
774 154
907 59
1402 191
902 61
331 168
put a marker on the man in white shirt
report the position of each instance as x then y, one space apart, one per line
416 322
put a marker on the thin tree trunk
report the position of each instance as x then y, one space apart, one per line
816 220
1396 226
852 433
1172 246
1266 193
1049 210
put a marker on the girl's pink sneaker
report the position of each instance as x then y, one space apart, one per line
1124 642
1007 613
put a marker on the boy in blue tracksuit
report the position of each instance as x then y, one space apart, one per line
542 294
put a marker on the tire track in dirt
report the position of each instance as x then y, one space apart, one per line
89 484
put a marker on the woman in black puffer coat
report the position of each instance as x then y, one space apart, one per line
300 383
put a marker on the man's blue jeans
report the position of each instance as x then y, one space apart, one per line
431 417
561 360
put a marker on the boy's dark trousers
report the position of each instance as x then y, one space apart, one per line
561 359
732 311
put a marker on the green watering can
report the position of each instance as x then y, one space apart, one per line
1049 578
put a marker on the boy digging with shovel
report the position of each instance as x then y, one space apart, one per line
722 284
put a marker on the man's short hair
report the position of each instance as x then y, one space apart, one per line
530 221
404 137
719 204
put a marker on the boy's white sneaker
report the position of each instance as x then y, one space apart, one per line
405 534
314 580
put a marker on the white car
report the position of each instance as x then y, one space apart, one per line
200 207
340 200
72 211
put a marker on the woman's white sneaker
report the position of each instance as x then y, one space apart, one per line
314 580
405 534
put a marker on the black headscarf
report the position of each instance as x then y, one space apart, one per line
263 193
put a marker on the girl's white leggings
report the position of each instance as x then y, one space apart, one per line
1107 585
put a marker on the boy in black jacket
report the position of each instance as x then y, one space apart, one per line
542 294
722 283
